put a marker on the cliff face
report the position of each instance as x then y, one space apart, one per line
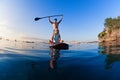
111 31
106 36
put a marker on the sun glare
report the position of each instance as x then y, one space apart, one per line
5 30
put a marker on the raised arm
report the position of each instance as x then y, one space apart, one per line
49 20
60 19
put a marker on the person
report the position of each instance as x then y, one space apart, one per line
56 39
55 25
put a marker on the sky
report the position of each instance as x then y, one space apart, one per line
83 20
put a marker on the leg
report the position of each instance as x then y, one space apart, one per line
52 37
51 42
61 41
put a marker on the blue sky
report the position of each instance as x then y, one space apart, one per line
83 19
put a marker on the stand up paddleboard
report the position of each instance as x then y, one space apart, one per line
60 46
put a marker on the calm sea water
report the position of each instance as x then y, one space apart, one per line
35 61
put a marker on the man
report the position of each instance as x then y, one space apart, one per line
55 25
56 39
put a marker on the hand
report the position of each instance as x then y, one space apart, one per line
61 16
48 16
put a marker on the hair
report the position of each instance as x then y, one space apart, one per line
55 19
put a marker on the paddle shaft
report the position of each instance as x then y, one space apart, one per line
50 16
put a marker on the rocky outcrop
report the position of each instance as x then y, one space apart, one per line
111 32
113 36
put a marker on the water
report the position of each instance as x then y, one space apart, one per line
35 61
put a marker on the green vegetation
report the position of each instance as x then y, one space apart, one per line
112 23
102 34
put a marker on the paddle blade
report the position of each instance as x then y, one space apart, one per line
36 19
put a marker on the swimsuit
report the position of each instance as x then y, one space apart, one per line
56 37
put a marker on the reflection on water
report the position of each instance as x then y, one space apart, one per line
55 55
19 61
112 52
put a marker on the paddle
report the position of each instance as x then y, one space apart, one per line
38 18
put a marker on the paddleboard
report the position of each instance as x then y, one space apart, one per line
60 46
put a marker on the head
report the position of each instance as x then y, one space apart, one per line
55 19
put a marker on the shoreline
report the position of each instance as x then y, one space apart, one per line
45 41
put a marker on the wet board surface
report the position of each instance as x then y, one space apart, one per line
61 46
